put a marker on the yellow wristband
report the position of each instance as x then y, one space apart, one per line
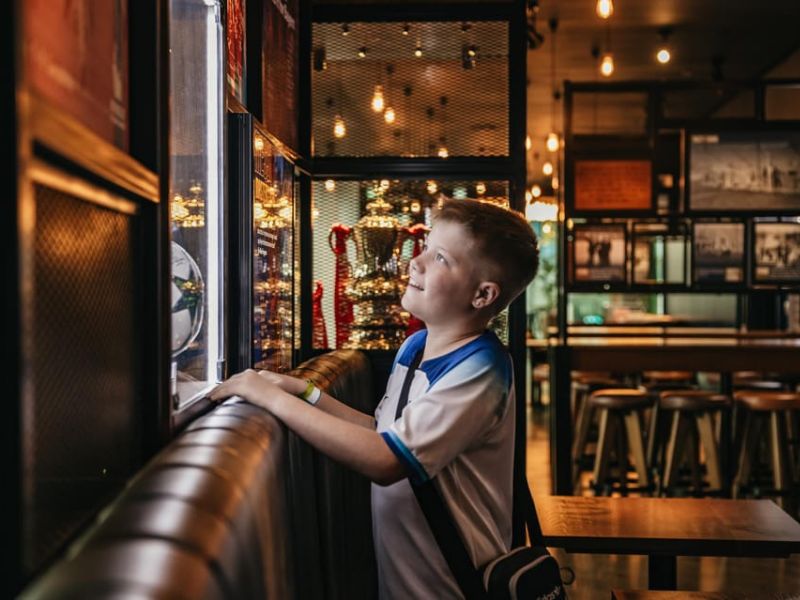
306 394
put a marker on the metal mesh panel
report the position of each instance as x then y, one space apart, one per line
81 433
446 84
340 207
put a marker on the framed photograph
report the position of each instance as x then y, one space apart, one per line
604 186
755 172
776 253
718 253
659 254
599 253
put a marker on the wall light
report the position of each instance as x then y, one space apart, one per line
552 142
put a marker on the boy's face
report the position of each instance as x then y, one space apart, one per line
443 278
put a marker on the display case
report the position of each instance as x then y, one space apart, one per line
365 234
195 190
262 250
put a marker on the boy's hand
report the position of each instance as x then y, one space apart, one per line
251 386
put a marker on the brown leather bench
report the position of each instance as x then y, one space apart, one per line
234 507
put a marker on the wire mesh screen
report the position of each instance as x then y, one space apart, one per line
364 234
411 90
81 431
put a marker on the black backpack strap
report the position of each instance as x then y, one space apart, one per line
450 543
403 400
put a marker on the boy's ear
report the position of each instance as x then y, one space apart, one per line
486 294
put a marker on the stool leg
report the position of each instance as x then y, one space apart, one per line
705 428
621 452
694 455
674 450
584 423
652 434
634 430
752 427
604 437
777 443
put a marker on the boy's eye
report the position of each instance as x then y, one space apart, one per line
440 257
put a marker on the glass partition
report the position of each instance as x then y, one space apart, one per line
365 233
195 192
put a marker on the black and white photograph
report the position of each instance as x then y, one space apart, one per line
745 171
599 253
659 258
777 253
718 253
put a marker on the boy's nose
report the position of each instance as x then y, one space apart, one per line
415 264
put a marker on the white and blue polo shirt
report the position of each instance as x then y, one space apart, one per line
458 426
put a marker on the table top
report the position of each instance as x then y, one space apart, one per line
687 595
668 526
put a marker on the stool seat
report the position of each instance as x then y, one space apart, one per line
692 400
768 400
758 384
668 375
595 382
620 398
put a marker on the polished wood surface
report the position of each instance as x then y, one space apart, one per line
597 574
687 595
668 526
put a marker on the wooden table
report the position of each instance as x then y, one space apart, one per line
686 595
665 528
637 354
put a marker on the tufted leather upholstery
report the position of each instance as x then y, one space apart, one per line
234 507
344 534
206 518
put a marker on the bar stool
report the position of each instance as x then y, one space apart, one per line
620 413
774 408
540 374
692 425
583 384
657 382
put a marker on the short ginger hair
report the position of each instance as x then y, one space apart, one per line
504 241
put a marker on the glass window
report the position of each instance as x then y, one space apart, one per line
195 192
365 233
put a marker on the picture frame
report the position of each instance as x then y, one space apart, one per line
616 185
660 254
599 253
718 253
743 171
776 252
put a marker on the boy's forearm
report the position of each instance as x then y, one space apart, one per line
332 406
355 446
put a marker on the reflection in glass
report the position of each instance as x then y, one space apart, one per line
273 291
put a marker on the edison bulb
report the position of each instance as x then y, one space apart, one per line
663 56
330 185
389 116
607 65
552 142
604 8
547 168
339 128
377 99
536 191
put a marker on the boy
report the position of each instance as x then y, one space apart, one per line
458 425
